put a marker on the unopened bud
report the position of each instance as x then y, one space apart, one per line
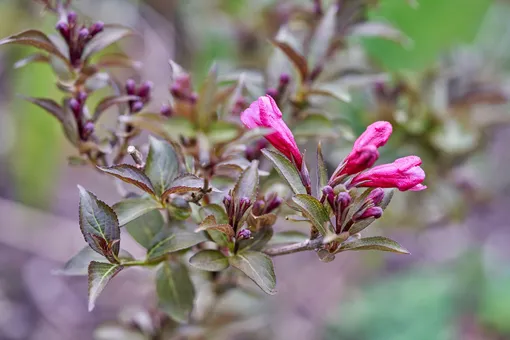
272 92
273 204
284 79
372 212
362 159
244 234
71 18
75 106
330 195
258 207
83 34
145 90
63 28
130 87
166 110
183 82
343 199
88 128
82 97
376 196
227 201
193 98
96 28
137 106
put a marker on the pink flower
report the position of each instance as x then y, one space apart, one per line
265 113
404 173
364 153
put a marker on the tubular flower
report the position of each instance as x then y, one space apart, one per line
265 113
404 173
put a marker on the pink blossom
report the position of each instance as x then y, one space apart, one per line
265 113
404 173
364 152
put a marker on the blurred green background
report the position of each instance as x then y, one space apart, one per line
456 285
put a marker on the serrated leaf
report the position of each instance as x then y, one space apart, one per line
144 228
258 267
209 260
313 210
36 39
374 243
169 241
287 170
162 165
100 274
132 208
297 59
205 105
210 223
49 105
110 101
175 290
183 184
110 35
321 39
322 170
247 183
98 222
130 174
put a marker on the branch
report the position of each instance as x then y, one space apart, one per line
294 248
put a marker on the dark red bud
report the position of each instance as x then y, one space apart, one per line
176 92
82 97
272 92
330 195
227 201
183 82
284 79
166 110
75 106
343 199
130 87
193 98
273 204
63 28
71 18
83 34
137 106
145 89
376 196
88 128
372 212
244 234
96 28
258 207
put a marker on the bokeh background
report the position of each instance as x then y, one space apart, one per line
456 283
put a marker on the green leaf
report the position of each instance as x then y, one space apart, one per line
162 165
175 291
322 171
36 39
315 125
210 223
258 239
313 210
216 210
374 243
48 105
110 35
210 260
69 124
99 224
130 174
100 274
360 226
168 241
144 228
298 61
258 267
129 209
321 39
388 195
287 170
247 183
183 184
205 105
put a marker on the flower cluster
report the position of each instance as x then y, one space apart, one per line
143 92
84 126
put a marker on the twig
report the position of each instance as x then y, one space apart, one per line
294 248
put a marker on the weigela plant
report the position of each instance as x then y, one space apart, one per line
202 200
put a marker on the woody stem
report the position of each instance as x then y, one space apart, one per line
294 248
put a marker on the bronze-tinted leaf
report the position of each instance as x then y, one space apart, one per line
34 58
209 260
110 101
210 223
36 39
117 60
266 220
162 165
130 174
100 273
49 105
175 290
99 225
110 35
169 241
374 243
183 184
297 59
258 267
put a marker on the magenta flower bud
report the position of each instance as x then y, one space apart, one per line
177 93
71 18
82 97
258 207
87 130
265 113
284 79
274 204
83 34
244 201
75 107
193 98
183 83
330 195
96 28
63 28
361 159
137 106
343 199
130 87
372 212
244 234
272 92
166 110
227 201
376 196
404 173
145 90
